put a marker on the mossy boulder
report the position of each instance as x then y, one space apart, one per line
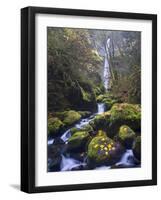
87 128
55 126
101 121
103 151
137 148
84 114
126 136
124 113
68 117
78 141
71 117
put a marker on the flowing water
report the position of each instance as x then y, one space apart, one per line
106 70
68 163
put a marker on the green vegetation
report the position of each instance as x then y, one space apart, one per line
54 125
94 97
78 141
103 150
126 136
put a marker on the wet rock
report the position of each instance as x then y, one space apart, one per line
55 126
137 148
126 136
78 141
103 151
55 164
124 113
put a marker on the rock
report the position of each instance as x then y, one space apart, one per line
55 164
56 148
78 141
71 117
54 154
55 126
87 128
103 151
126 136
124 113
101 121
137 148
84 114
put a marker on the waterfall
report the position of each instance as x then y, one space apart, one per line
101 108
106 71
127 158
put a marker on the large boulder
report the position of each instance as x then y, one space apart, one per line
84 114
71 117
137 148
68 117
78 141
103 151
126 136
101 121
124 113
55 126
54 154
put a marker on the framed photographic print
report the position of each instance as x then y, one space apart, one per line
88 99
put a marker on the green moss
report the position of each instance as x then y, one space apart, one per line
137 148
78 140
126 136
54 125
101 121
123 113
87 128
71 117
102 151
107 99
86 95
84 114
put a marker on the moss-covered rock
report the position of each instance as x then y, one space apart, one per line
124 113
78 141
126 136
68 117
137 148
84 114
101 121
71 117
103 151
55 126
87 128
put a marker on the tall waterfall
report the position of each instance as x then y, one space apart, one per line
106 72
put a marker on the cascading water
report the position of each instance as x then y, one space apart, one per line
106 71
101 108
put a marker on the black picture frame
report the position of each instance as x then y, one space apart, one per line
28 98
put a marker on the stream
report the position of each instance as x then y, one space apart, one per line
69 163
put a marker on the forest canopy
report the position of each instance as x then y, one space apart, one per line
76 65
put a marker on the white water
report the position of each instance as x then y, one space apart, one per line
101 108
69 163
66 135
127 158
106 71
50 141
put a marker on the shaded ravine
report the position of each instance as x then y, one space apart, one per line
69 163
